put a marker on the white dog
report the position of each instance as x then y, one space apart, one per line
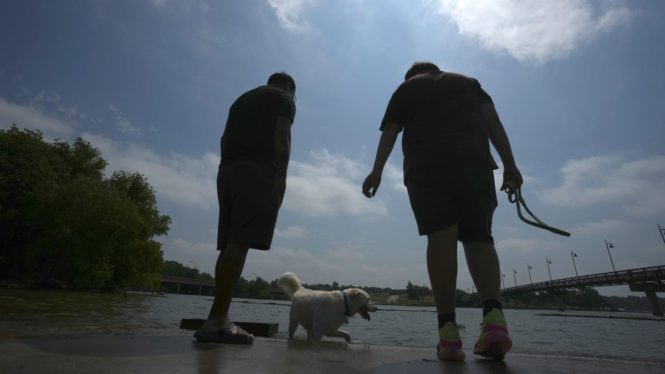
321 313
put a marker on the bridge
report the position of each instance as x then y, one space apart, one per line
648 280
188 286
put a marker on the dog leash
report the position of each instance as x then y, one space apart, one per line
516 197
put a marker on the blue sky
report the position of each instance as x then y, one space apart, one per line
578 86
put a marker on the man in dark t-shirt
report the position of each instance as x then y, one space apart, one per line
251 181
448 121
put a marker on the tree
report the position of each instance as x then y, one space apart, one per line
64 224
411 292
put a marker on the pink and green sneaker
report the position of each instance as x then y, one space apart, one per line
450 344
494 341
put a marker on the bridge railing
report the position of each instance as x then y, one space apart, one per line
628 276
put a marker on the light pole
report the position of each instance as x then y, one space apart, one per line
609 245
528 268
503 280
572 256
548 262
662 232
515 277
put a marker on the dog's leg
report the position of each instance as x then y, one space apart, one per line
316 332
340 334
293 324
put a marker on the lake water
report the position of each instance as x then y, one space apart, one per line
28 313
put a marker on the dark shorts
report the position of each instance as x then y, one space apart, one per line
444 196
248 205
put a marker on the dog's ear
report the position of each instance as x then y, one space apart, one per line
357 297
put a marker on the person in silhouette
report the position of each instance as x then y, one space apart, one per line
448 121
251 181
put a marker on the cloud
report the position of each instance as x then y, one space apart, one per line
32 117
289 13
328 185
125 126
291 232
395 177
536 30
324 185
636 185
183 180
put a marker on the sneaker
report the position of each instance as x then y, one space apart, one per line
450 344
494 341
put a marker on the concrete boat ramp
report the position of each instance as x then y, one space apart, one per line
181 354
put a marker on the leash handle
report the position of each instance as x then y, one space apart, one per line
515 196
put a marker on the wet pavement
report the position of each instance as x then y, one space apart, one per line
181 354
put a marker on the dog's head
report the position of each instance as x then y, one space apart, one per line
359 302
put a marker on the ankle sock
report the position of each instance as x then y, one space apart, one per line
489 305
445 317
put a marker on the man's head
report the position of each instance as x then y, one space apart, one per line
420 67
283 81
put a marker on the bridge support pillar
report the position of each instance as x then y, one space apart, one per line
559 301
653 299
650 290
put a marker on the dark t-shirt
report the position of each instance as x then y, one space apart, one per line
442 121
250 129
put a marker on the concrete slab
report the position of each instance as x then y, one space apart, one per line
181 354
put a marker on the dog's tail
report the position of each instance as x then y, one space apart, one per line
290 283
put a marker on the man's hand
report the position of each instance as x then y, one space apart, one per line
371 184
512 180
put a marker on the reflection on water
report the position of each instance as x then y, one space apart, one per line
27 313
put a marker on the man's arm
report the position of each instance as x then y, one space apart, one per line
282 152
386 144
512 178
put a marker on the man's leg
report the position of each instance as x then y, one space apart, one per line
442 267
483 265
228 269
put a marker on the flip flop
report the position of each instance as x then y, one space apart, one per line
232 335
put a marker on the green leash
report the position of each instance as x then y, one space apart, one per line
516 197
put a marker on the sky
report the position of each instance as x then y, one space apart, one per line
578 85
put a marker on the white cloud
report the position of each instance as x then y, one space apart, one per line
395 177
535 30
636 185
181 179
291 232
289 13
125 126
32 117
329 185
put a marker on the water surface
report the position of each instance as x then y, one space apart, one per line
27 313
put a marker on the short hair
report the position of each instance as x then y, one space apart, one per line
282 78
420 67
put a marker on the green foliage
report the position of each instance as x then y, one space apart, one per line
417 292
583 298
176 269
254 289
64 224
